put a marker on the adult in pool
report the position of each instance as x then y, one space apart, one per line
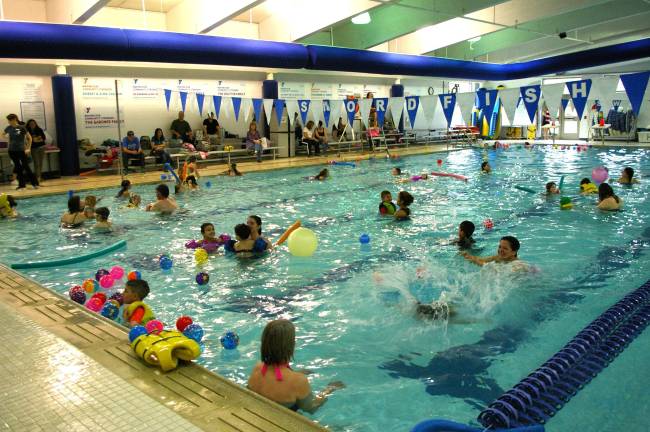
607 200
283 385
506 253
254 222
75 216
627 176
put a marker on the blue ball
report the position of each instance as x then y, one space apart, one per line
202 278
194 331
364 239
163 177
208 184
110 311
136 332
229 340
166 262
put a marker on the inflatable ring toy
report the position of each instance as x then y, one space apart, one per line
165 349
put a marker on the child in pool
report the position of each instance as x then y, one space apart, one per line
587 187
404 200
485 168
101 216
627 176
8 206
190 173
465 231
244 242
414 178
323 175
135 311
232 171
74 217
134 201
507 252
552 189
124 189
90 202
396 171
254 222
386 206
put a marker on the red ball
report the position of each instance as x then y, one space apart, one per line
488 224
439 161
183 322
100 295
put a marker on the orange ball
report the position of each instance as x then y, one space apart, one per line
89 285
134 275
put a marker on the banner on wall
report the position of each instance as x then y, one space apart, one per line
448 103
216 101
396 106
530 96
303 106
350 109
292 90
428 104
291 106
465 102
486 99
268 110
322 91
236 105
101 117
579 92
552 95
365 106
257 109
381 105
199 101
142 90
604 90
278 104
183 95
635 86
412 105
510 101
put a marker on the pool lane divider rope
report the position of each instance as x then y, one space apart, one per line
546 390
72 260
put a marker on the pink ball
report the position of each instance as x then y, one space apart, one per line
106 281
95 304
599 174
117 272
154 326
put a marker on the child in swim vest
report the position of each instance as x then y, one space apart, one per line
587 187
387 207
404 200
135 312
134 201
552 189
8 206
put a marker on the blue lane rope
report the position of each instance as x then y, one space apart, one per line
66 261
544 392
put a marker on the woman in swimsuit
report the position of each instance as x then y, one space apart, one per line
74 217
274 379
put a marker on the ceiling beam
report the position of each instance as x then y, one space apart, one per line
72 11
225 12
202 16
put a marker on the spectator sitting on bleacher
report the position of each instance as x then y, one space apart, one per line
308 137
158 144
211 130
255 141
181 129
338 130
131 150
320 134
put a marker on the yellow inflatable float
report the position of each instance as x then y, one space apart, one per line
165 349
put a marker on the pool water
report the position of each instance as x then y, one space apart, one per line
353 305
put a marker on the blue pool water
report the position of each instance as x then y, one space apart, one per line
353 306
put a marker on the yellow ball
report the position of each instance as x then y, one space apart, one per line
89 286
302 242
200 255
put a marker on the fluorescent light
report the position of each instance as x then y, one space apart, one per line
474 39
363 18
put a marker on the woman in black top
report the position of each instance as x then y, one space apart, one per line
158 148
38 147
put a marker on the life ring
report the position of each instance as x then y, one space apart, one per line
165 349
288 232
452 175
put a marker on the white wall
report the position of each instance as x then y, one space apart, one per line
128 18
67 11
32 91
25 10
237 29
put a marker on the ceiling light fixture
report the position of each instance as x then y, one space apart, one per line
363 18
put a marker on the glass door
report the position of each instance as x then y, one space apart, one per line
569 120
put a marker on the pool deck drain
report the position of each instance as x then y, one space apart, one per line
64 368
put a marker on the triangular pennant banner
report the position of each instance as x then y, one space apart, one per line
412 105
364 110
199 101
565 103
335 110
351 109
257 109
278 104
531 95
552 94
246 105
217 105
183 99
604 90
381 105
448 103
168 97
236 106
291 106
486 100
303 106
465 102
635 86
579 91
428 104
396 105
316 107
268 109
327 111
510 100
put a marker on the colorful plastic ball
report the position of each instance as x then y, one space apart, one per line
439 161
364 239
208 184
229 340
117 272
136 332
165 262
183 322
163 177
599 174
200 255
90 286
110 311
118 297
95 304
77 294
106 281
202 278
100 273
101 296
194 331
154 326
134 275
488 224
302 242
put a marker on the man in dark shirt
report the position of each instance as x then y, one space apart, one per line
211 129
181 129
20 144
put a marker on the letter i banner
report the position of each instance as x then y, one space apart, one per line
199 101
530 95
351 109
381 104
635 86
217 105
303 106
412 104
257 109
168 97
326 111
579 92
448 103
183 99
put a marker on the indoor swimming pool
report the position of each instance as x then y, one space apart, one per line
354 305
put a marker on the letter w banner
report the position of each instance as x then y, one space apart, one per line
183 99
412 104
168 97
579 91
530 95
381 104
351 109
217 105
236 105
327 111
257 109
635 86
448 103
199 102
303 106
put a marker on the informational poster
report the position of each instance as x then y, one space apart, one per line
345 90
101 117
290 90
229 88
322 90
32 92
34 110
144 90
100 89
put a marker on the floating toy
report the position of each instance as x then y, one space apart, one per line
200 255
488 224
163 177
364 239
90 285
229 340
302 242
154 326
208 184
589 188
565 203
136 332
561 183
77 294
4 202
439 161
525 189
183 322
165 262
106 281
194 332
444 174
110 310
352 164
164 349
118 297
202 278
288 232
169 168
418 177
117 272
73 260
134 275
95 304
100 273
599 174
